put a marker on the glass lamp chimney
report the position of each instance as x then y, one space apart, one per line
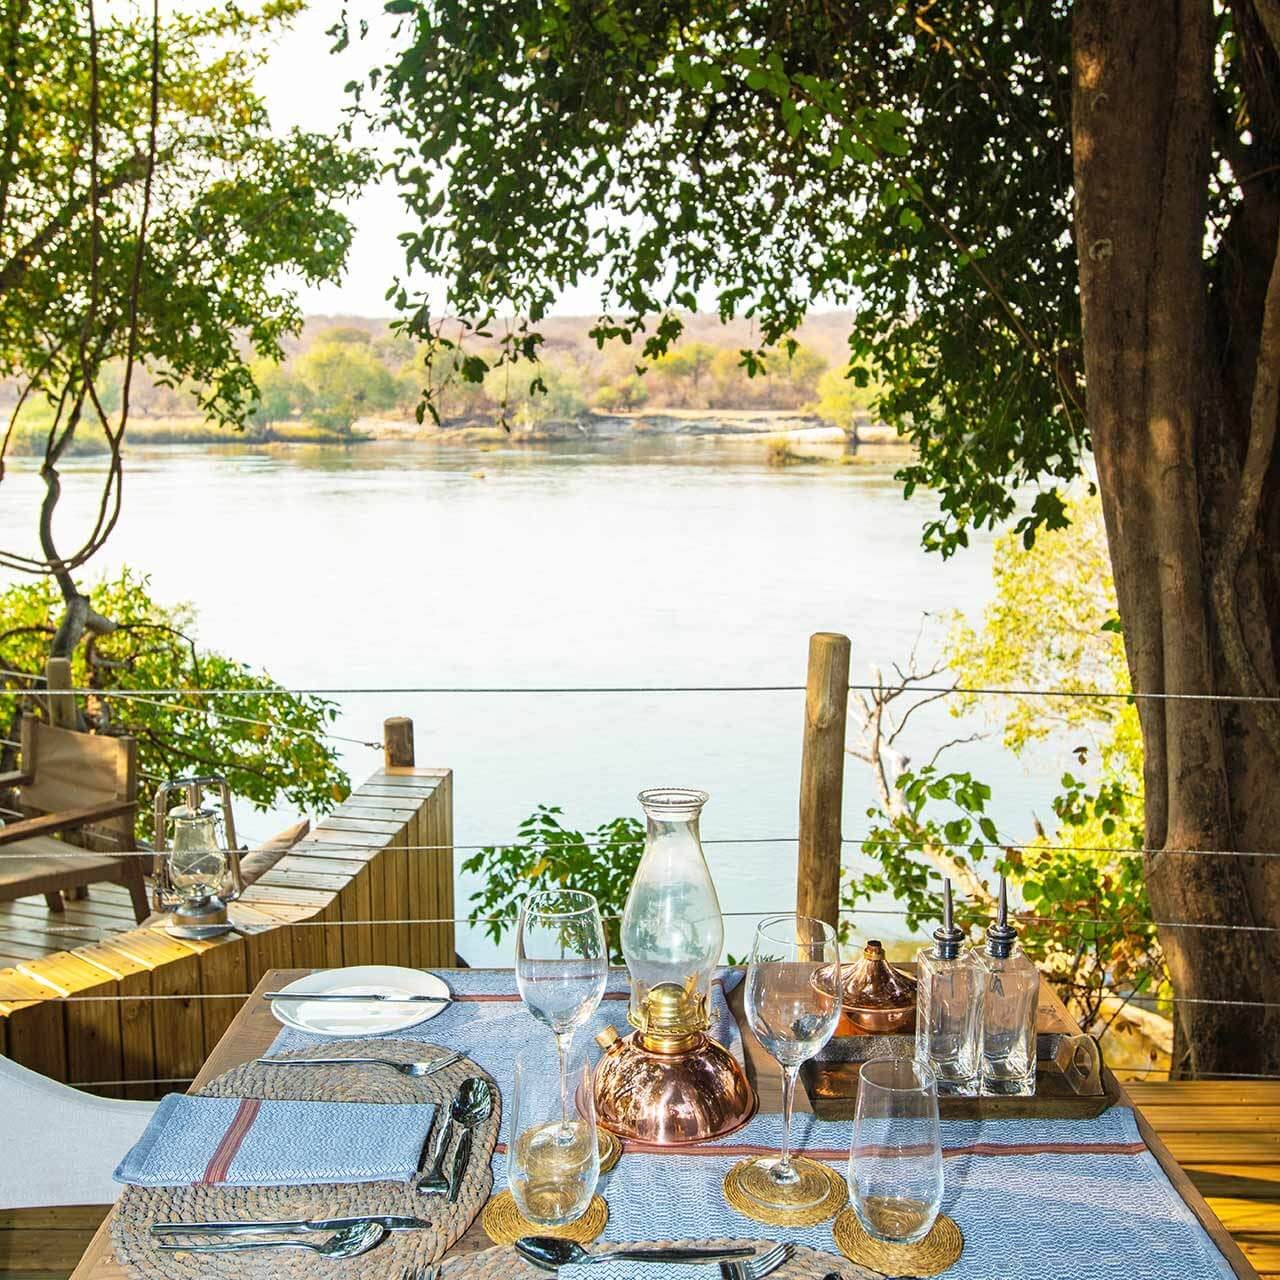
197 860
672 929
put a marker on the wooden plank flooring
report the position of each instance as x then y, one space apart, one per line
1226 1134
29 930
1200 1121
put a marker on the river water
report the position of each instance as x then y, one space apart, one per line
672 562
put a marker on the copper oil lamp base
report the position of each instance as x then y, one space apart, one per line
687 1090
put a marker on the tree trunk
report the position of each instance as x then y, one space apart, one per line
1170 421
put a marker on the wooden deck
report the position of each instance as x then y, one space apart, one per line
1226 1134
371 884
29 930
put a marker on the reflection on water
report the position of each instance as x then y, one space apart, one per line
672 562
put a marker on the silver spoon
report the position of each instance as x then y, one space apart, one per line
473 1099
476 1109
835 1275
346 1243
549 1253
415 1070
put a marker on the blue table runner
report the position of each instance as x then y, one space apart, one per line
1036 1199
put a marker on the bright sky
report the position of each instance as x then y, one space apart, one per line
303 85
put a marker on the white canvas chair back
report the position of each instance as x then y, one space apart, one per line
60 1145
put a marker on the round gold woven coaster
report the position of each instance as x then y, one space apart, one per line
505 1224
610 1149
836 1195
936 1252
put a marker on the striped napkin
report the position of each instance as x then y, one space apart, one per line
253 1142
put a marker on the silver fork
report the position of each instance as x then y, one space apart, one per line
757 1268
415 1070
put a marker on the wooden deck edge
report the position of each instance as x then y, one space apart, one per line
135 1014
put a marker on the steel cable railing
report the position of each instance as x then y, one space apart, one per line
1124 851
407 690
150 697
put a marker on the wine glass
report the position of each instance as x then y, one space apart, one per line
562 962
895 1162
553 1160
793 1004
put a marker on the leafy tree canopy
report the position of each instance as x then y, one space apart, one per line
344 380
773 155
154 646
234 209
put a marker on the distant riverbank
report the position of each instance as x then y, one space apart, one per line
783 433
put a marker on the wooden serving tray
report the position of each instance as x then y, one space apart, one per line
1070 1082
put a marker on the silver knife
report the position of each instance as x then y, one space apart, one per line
392 1222
460 1158
424 1154
352 998
431 1182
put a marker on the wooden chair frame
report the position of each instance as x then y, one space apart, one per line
47 871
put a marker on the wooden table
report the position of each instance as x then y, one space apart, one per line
254 1028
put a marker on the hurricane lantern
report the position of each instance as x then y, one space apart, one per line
198 865
668 1082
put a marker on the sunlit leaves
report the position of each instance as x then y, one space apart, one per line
271 750
765 158
548 855
236 210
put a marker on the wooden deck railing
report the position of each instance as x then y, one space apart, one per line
342 896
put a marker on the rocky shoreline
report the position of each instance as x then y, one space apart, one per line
776 430
769 426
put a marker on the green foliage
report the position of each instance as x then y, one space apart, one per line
547 855
681 371
1050 625
1087 922
774 157
842 397
234 205
279 394
554 395
271 750
344 380
629 392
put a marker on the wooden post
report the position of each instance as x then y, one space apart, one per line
397 741
826 706
62 706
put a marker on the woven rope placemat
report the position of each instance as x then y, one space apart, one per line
139 1207
832 1202
610 1149
936 1252
507 1264
505 1224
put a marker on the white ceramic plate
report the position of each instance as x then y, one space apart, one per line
325 1018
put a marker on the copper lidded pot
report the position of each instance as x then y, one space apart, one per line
668 1082
878 998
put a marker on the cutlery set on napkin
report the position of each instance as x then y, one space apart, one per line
258 1142
255 1142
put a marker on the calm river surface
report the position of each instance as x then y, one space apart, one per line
680 562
